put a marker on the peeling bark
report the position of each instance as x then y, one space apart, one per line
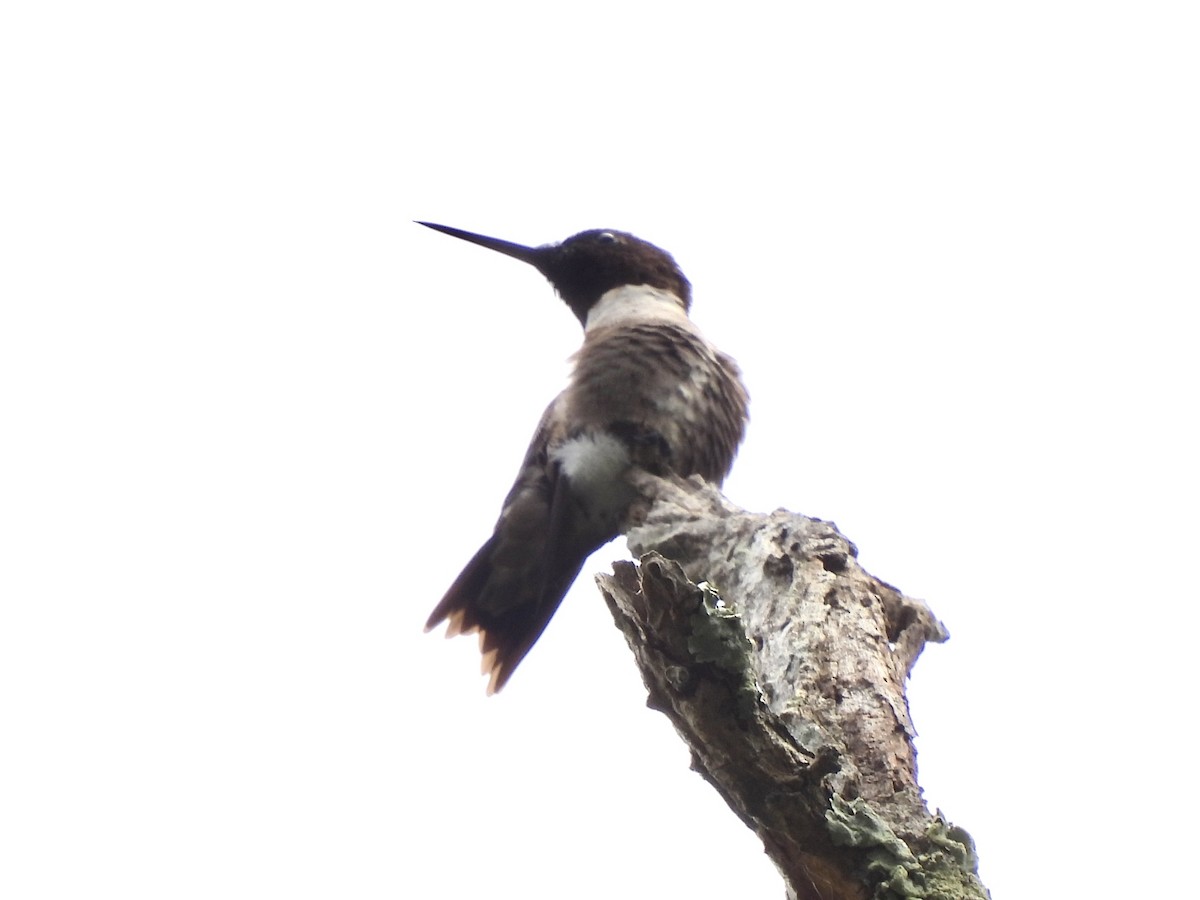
782 664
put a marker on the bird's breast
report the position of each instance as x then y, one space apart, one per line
660 377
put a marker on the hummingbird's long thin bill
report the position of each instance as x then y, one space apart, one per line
508 248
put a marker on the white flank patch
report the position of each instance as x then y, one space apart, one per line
635 303
596 464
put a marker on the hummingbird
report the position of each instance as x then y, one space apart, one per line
646 391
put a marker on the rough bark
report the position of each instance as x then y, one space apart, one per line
782 663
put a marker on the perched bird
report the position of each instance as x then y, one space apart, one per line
646 390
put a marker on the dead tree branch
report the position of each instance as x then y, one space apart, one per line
782 663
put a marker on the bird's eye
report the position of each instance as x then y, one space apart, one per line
606 237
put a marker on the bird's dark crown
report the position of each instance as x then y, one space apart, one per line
587 265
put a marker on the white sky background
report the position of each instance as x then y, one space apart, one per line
255 421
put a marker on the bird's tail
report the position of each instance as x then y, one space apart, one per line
508 601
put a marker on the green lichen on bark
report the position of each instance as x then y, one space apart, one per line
718 636
890 863
939 871
717 633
